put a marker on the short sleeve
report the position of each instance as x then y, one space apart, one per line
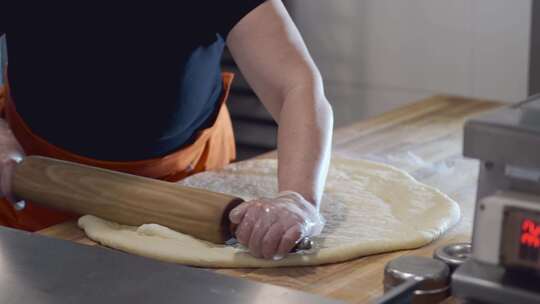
230 12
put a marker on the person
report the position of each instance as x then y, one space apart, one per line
138 88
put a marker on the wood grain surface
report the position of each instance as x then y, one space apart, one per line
425 139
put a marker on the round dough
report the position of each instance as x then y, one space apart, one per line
369 208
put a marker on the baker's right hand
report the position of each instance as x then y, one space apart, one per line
271 227
11 153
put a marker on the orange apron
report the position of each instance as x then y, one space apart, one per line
213 148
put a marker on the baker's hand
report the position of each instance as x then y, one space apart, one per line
10 154
271 227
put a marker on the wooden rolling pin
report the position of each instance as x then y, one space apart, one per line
124 198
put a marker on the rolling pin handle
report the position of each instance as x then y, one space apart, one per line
304 244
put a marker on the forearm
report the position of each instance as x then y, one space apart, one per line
10 148
304 142
273 57
275 61
10 154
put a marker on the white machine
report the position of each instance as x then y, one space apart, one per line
505 263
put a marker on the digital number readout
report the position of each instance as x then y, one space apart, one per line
530 240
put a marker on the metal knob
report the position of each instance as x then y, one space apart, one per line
454 255
417 280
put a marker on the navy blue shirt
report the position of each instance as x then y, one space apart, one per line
118 82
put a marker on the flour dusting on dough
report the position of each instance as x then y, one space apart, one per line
369 207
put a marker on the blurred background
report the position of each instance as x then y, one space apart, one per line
376 55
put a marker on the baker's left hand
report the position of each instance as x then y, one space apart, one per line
271 227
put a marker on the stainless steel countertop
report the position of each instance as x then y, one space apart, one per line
37 269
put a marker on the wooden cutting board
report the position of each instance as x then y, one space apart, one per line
423 138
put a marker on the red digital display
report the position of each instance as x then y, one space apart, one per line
530 233
520 246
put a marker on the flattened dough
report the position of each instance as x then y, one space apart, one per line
369 207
